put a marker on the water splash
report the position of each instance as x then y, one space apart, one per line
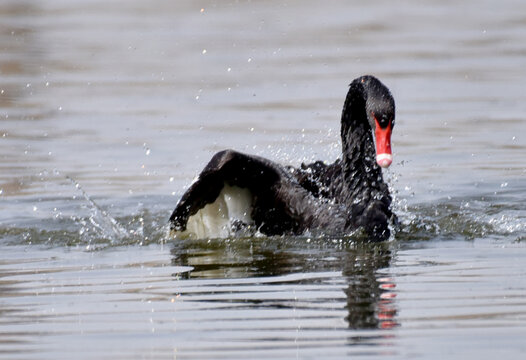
142 228
465 218
495 212
105 224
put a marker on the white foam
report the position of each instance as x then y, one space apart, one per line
215 220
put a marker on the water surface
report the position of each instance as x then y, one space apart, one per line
109 109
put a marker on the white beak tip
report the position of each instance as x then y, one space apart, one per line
384 160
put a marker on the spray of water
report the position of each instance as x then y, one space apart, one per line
100 219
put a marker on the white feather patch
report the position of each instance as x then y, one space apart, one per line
218 219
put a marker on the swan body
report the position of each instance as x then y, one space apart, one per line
240 191
228 215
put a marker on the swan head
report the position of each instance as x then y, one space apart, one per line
380 111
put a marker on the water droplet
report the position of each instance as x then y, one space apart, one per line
229 69
148 151
171 179
35 208
204 51
249 60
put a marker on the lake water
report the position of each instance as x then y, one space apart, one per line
109 109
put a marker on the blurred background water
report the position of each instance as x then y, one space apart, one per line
108 110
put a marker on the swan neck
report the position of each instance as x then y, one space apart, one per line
360 170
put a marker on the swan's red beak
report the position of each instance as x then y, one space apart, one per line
384 157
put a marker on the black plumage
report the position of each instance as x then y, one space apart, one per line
332 199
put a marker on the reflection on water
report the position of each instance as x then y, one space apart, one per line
368 291
352 300
370 295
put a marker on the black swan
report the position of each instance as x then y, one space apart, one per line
330 199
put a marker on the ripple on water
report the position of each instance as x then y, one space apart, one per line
280 300
285 297
280 296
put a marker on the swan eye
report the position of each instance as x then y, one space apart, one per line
383 120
